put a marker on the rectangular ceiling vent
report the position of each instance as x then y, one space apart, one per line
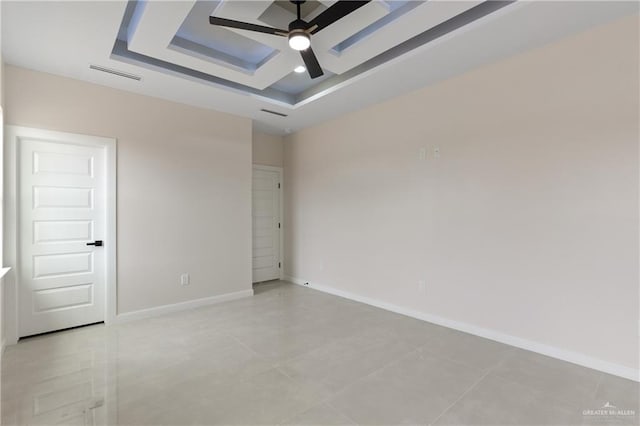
115 72
274 112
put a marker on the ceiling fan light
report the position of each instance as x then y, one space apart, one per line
299 40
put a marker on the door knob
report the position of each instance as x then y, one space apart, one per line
97 243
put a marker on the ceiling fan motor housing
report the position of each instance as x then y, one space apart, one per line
300 31
298 37
298 25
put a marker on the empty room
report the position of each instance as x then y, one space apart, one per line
321 212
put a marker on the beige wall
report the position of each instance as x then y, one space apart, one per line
2 281
528 223
184 184
1 80
2 291
267 149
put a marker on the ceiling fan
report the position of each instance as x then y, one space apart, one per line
300 32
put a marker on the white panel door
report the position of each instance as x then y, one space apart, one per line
266 224
62 209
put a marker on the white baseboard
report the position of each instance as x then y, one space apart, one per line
183 306
530 345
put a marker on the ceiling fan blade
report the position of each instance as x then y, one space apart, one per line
214 20
311 62
339 10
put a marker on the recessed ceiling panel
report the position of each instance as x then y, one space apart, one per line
307 9
397 8
437 40
219 44
281 12
297 83
254 64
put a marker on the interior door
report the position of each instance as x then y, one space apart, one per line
62 218
266 224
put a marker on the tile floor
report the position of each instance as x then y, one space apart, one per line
292 355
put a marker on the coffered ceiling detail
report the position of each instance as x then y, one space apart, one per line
168 49
176 37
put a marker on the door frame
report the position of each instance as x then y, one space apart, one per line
278 170
11 238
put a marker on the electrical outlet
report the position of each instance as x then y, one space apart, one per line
422 286
185 279
422 154
436 152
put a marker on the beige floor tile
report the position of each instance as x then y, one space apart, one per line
616 402
618 391
558 379
322 414
467 349
267 398
292 355
343 361
412 390
496 401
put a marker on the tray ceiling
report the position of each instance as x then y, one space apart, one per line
382 49
262 64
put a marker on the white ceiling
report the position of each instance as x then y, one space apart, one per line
414 50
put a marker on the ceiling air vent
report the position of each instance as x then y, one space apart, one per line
115 72
274 112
